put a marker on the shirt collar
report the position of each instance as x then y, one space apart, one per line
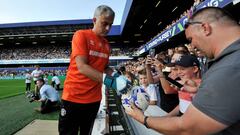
235 46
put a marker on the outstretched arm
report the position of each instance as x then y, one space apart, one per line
192 122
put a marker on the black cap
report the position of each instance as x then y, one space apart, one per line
187 61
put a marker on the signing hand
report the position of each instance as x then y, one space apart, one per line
190 86
135 113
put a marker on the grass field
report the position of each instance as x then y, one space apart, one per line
16 111
11 88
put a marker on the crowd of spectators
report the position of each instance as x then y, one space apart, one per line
185 13
11 73
50 52
123 51
36 52
166 99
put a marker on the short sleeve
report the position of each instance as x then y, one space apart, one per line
79 44
151 90
219 96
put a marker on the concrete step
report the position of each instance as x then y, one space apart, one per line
40 127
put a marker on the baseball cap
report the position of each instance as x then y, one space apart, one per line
187 61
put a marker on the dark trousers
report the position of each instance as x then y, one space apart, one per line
75 115
48 106
57 87
28 86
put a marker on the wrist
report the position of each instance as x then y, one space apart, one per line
161 76
145 122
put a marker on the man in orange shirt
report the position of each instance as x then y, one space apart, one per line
82 88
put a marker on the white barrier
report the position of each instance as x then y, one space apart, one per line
101 124
140 129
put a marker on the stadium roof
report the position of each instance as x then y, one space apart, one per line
141 21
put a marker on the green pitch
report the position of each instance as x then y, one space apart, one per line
16 111
14 87
10 88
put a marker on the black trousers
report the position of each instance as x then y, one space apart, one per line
28 86
75 115
48 106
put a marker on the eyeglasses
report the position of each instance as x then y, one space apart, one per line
191 23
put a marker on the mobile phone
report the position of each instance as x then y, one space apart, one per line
152 53
173 82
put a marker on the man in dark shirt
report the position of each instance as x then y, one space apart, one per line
215 108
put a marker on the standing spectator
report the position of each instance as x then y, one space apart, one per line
215 108
46 78
188 71
28 79
36 74
55 82
82 88
149 88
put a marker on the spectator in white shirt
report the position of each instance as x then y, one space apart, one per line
55 82
28 78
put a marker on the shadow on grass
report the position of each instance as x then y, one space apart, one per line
11 95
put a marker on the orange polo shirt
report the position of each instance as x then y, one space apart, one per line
79 88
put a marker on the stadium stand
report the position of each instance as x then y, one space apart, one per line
48 44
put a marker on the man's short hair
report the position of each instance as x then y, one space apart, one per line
41 79
212 14
104 9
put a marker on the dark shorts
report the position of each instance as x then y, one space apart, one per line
75 115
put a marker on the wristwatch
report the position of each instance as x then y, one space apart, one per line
145 122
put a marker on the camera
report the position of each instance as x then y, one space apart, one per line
173 82
31 96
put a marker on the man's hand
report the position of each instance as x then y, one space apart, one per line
119 83
158 64
190 86
135 113
149 61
